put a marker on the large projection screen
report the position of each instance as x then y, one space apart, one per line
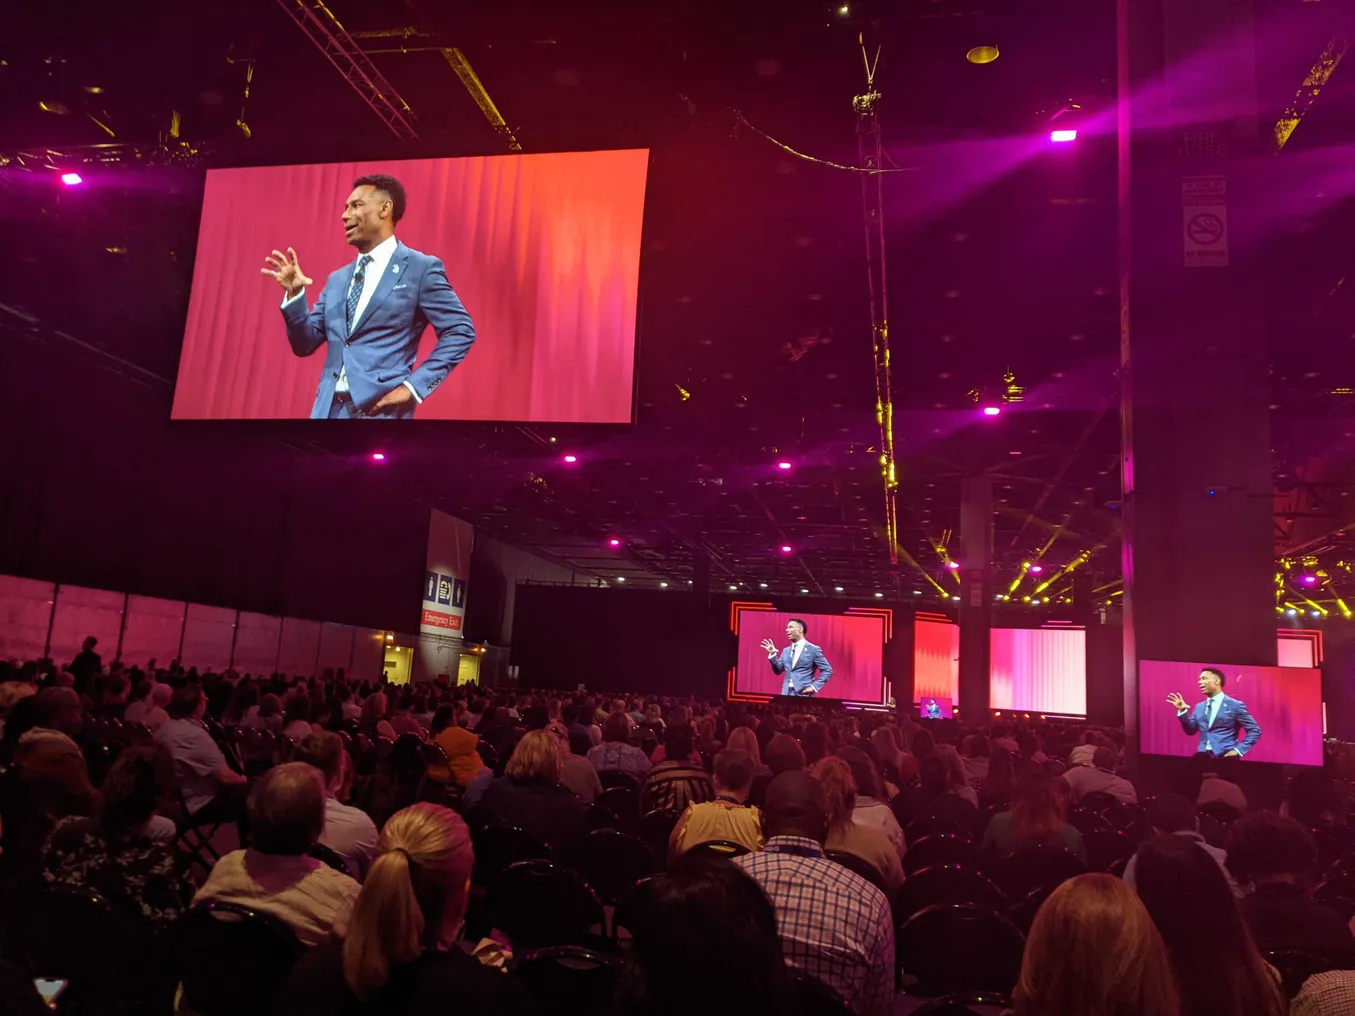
1039 670
852 643
542 251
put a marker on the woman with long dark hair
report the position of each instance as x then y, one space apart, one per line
1035 820
1218 968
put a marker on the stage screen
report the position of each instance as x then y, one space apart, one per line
935 708
1038 670
936 658
853 645
1285 701
533 257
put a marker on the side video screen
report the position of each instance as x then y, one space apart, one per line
488 288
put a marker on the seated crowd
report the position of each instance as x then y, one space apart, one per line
801 856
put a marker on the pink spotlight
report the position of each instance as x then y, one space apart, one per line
378 456
571 459
1036 568
1310 580
72 179
953 565
991 410
783 465
1060 137
613 542
785 548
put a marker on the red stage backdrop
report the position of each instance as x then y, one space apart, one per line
544 251
936 659
854 645
1286 702
1038 670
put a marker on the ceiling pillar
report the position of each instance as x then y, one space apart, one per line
1198 558
976 595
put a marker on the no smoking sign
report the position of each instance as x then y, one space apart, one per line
1204 214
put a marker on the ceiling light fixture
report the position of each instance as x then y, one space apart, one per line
72 179
378 456
992 410
613 542
783 464
1063 136
571 459
785 548
982 54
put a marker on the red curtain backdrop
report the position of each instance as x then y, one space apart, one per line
1286 701
854 646
544 250
936 660
1038 670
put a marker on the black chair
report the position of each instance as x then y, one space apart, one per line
963 1003
1297 966
954 947
946 884
656 828
612 862
1333 844
1215 833
540 903
331 858
569 980
1028 869
860 866
600 817
498 847
1124 815
406 761
1086 822
231 960
718 848
1224 814
1022 912
928 826
431 755
937 849
488 755
1098 801
634 901
610 778
814 998
1105 847
624 803
194 836
99 946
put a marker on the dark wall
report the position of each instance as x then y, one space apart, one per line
98 488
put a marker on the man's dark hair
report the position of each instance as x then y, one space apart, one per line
184 702
1223 678
863 769
1264 845
1172 813
392 188
677 742
140 779
783 754
804 628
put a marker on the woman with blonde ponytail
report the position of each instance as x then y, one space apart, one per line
401 953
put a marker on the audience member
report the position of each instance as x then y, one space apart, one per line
296 713
936 797
869 809
1036 819
464 766
678 781
975 761
996 789
705 923
783 754
616 753
86 664
156 714
401 954
1100 778
728 817
1218 969
274 874
577 774
1094 951
834 925
211 790
1083 753
1315 801
1172 815
865 840
349 832
119 851
529 795
1216 785
373 720
1274 861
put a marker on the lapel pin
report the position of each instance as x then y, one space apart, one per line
395 269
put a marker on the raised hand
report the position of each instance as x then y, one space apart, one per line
769 646
284 269
1177 702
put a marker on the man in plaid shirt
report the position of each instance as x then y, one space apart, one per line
834 924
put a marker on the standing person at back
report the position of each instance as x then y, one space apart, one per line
834 925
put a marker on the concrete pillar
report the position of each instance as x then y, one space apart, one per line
1198 547
976 595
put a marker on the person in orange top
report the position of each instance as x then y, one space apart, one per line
464 766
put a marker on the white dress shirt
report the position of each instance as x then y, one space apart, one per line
381 256
795 653
350 833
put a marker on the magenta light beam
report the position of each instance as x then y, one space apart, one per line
1063 136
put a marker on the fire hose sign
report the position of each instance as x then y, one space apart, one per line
1204 216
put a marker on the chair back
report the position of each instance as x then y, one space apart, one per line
600 817
1098 801
1105 847
498 847
656 829
1296 966
406 758
1086 821
232 960
330 858
964 1003
541 903
624 803
859 866
718 848
612 862
946 884
1224 814
953 947
431 754
931 827
610 778
488 755
814 998
569 980
940 848
101 947
1028 869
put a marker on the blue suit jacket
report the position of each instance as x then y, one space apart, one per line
412 294
802 676
1222 735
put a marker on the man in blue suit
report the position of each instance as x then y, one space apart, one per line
371 313
799 662
1218 719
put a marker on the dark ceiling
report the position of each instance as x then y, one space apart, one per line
755 328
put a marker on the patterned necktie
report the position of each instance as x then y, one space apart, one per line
355 290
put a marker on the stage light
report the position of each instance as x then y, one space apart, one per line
844 10
804 590
1034 603
733 589
571 459
390 638
1291 612
783 464
1063 136
1035 568
955 598
663 585
982 54
879 596
621 578
1315 613
1309 580
785 548
613 542
917 592
991 410
952 565
762 585
837 589
378 456
72 179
